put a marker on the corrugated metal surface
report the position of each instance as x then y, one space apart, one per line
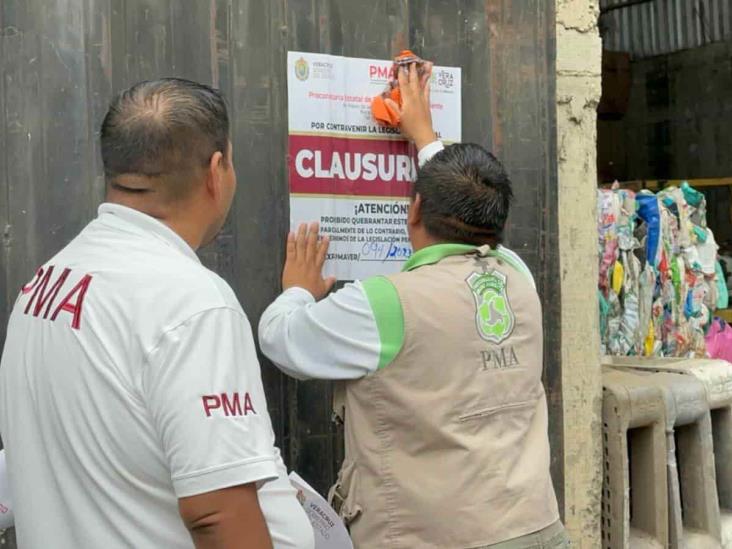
61 60
664 26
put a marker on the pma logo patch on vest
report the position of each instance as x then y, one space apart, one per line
494 317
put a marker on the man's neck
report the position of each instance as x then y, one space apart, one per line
192 237
180 223
426 243
420 242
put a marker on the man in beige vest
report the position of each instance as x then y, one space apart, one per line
445 413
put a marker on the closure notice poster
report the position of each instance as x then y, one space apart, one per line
346 171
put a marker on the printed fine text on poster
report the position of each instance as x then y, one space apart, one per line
347 172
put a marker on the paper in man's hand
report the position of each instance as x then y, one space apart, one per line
330 533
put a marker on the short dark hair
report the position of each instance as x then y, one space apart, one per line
164 129
465 194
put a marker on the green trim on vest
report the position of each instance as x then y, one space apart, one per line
437 252
508 258
387 309
433 254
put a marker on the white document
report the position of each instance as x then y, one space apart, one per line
330 533
6 510
346 171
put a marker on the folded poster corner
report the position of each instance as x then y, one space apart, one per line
330 533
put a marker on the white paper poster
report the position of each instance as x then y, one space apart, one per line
347 172
330 533
6 511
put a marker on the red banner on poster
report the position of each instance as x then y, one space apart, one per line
355 167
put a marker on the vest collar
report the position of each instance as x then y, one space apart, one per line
435 253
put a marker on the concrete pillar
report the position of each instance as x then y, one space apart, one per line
578 66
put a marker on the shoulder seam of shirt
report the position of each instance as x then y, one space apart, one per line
188 319
389 316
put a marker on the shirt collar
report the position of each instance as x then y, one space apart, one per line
436 252
149 225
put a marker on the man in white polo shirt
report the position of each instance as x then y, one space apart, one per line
131 400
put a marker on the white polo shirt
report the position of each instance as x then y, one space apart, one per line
130 379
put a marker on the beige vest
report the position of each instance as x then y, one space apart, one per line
447 446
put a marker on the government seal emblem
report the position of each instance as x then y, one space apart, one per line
302 69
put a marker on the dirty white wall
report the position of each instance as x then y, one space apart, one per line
578 92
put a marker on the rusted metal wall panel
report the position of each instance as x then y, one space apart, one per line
63 59
655 27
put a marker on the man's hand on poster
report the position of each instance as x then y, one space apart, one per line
415 116
306 253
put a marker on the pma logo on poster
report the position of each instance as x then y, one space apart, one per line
302 69
379 73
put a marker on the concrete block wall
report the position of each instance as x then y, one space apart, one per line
716 375
635 456
578 86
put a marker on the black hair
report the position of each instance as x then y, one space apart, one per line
465 194
165 129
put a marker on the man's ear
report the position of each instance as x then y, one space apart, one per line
214 170
414 217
